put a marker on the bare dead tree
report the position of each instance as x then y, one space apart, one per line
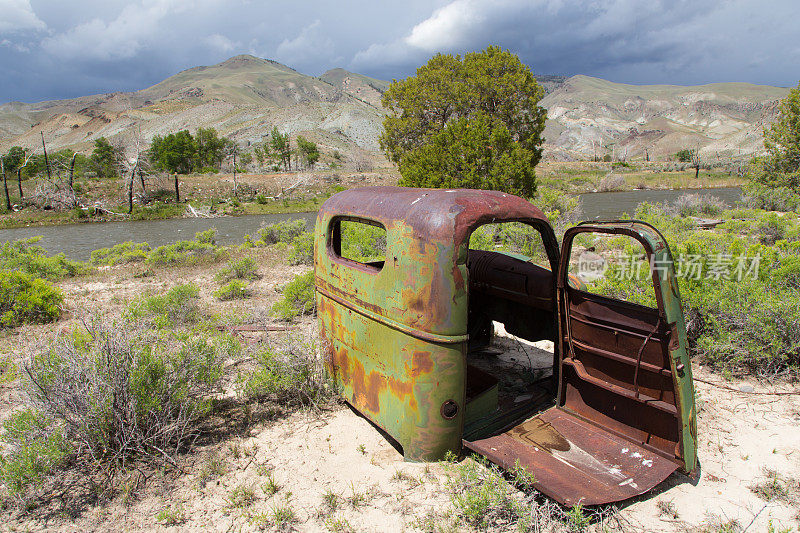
46 160
131 167
72 171
5 183
695 156
19 173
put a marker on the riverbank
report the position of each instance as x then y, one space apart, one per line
260 194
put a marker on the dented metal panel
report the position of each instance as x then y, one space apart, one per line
396 336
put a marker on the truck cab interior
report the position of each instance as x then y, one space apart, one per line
576 386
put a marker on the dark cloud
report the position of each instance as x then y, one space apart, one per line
55 49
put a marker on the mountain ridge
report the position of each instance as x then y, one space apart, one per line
245 96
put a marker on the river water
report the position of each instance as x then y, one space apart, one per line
77 241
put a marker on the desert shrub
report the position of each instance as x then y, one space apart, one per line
37 450
179 305
244 268
771 197
109 394
513 238
363 242
208 236
298 297
290 375
26 256
611 182
739 326
233 290
261 199
697 205
201 249
561 209
126 252
485 499
24 299
302 250
283 231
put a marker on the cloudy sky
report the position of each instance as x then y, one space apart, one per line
56 49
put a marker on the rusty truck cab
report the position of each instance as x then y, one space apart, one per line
405 337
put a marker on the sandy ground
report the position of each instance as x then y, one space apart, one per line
225 485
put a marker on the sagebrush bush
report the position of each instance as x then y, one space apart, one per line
24 299
363 242
233 290
302 250
37 449
290 374
201 249
283 231
696 205
244 268
486 499
611 182
26 256
179 305
299 297
739 326
109 394
126 252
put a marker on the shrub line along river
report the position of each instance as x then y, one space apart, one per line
77 241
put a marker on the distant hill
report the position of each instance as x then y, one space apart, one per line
588 115
245 97
357 85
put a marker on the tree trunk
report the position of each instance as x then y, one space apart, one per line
72 171
5 184
46 161
19 183
130 191
141 180
234 173
177 191
697 172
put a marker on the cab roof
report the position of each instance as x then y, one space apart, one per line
434 214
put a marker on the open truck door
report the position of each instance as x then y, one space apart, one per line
624 418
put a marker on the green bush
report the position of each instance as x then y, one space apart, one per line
27 300
302 250
126 252
201 249
283 231
26 256
233 290
179 305
739 326
289 376
364 243
111 394
261 199
299 297
244 268
37 449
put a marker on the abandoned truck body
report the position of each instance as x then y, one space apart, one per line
400 332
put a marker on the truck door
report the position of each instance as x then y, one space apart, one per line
624 417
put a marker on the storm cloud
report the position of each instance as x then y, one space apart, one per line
53 49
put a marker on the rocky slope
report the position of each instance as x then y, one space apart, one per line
589 116
243 98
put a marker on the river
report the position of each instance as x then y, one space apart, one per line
77 241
